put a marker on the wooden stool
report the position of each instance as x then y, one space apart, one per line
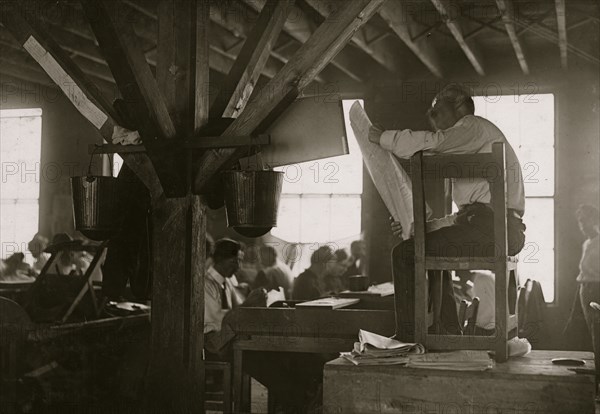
219 401
489 166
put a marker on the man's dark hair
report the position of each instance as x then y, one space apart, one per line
225 249
457 96
322 255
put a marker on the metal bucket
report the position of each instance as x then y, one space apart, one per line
95 206
252 198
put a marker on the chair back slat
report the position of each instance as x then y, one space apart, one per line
460 166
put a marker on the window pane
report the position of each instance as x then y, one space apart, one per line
527 121
536 260
314 219
20 150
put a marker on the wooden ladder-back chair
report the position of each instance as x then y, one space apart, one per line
489 166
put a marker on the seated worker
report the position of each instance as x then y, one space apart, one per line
470 231
274 273
36 246
357 260
219 295
280 372
310 284
332 281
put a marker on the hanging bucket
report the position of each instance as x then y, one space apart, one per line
252 200
95 206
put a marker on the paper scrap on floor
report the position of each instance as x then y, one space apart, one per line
374 349
463 360
390 179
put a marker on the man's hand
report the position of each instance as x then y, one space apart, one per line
396 227
375 134
256 299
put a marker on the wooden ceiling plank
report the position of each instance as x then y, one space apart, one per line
241 80
400 22
378 51
329 38
135 80
443 8
561 21
506 9
300 28
83 93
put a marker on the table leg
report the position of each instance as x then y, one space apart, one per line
238 380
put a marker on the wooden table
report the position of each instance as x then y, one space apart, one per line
529 384
300 330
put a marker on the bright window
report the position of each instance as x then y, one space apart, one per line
20 151
527 121
321 200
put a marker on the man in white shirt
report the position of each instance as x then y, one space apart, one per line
218 294
469 232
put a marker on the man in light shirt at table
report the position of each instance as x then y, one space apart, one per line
470 231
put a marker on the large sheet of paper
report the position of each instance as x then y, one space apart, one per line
390 179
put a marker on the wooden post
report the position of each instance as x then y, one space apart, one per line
176 372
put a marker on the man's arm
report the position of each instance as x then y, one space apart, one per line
461 138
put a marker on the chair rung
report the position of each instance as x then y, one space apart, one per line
466 263
512 322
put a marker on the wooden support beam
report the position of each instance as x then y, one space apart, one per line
174 70
310 59
136 82
176 372
561 21
301 29
201 62
443 8
239 19
506 9
189 143
241 80
400 21
83 93
380 52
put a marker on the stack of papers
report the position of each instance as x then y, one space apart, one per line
454 361
373 349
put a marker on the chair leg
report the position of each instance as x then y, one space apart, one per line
502 306
227 391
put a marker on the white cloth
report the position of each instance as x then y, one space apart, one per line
470 135
484 288
213 306
124 136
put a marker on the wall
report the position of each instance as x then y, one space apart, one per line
65 139
402 105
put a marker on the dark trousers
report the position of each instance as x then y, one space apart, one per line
471 236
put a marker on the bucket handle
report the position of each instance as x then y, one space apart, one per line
90 178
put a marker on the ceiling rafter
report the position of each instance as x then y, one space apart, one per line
229 16
443 8
380 52
545 32
506 9
402 23
301 28
561 22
